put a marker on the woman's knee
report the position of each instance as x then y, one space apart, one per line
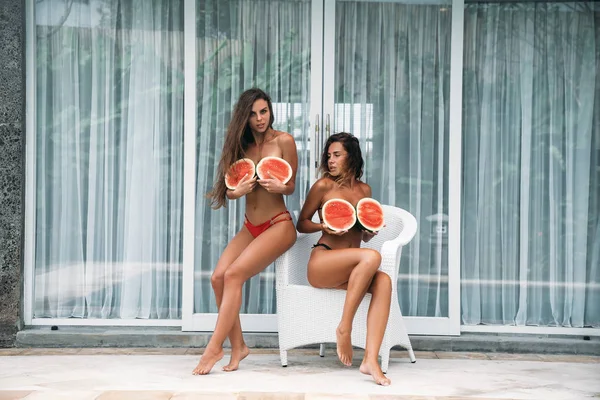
372 258
233 275
217 279
381 282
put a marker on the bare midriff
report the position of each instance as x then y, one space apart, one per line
261 205
351 239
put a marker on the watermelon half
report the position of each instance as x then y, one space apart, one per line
278 167
237 171
338 214
369 214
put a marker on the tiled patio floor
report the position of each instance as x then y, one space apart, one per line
142 373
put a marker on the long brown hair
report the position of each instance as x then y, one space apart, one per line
237 139
354 161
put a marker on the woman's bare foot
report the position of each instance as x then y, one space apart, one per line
344 346
372 368
237 355
207 361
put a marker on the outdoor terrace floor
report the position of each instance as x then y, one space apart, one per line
161 373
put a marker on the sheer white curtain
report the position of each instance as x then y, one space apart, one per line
242 44
108 159
392 91
531 162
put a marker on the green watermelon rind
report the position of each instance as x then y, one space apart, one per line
324 210
229 184
279 159
360 224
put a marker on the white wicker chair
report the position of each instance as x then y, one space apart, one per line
307 315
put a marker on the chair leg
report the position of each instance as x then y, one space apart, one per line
322 350
411 354
283 356
385 361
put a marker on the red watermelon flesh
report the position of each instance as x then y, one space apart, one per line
338 214
370 214
276 166
237 171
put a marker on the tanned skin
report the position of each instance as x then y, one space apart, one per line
347 266
246 256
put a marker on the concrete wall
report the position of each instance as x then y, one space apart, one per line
12 114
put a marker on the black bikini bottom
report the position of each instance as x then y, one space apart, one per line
323 245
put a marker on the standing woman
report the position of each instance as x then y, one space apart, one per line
268 230
338 262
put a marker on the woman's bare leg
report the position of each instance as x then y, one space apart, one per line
350 269
377 318
261 252
239 350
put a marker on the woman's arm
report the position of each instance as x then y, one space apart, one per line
310 207
289 154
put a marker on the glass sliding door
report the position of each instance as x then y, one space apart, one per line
531 244
107 159
380 70
242 44
389 84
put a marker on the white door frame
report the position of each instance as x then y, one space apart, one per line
454 170
189 165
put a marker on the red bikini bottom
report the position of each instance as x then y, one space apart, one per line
256 230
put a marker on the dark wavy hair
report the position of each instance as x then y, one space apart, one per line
237 139
354 161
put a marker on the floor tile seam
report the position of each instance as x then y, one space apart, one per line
198 351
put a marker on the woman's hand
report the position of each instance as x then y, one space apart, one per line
326 229
245 186
272 185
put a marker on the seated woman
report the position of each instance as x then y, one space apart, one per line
337 261
268 230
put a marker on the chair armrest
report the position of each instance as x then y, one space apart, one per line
391 250
390 258
409 228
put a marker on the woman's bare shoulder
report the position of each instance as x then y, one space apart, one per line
284 140
323 184
364 188
283 136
